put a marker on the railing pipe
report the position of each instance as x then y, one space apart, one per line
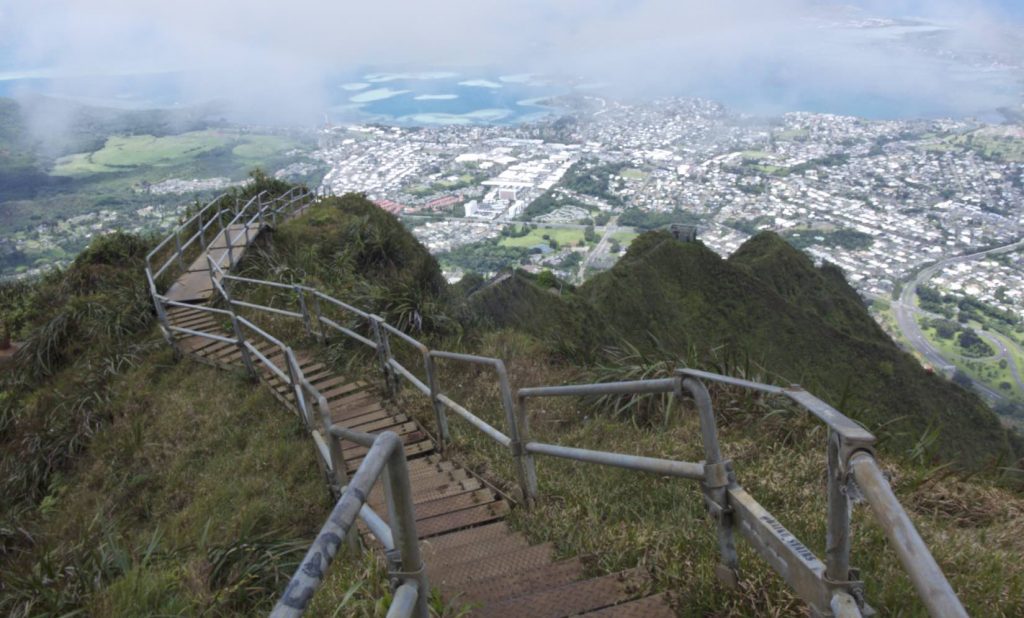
305 311
665 467
404 602
717 478
386 451
925 574
837 532
441 417
476 421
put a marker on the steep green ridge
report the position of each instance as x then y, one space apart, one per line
767 308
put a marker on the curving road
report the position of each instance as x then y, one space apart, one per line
906 318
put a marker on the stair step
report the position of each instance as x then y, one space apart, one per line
506 586
495 546
571 599
462 575
655 606
481 534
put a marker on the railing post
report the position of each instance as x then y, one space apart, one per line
242 348
295 374
519 434
718 476
305 312
380 337
321 334
837 534
443 436
404 527
177 242
231 248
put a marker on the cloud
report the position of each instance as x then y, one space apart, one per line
274 57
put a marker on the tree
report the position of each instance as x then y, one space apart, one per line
961 379
553 244
546 279
588 234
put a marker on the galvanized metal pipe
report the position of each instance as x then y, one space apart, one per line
266 361
665 467
476 421
199 333
403 525
404 602
837 532
313 569
347 331
714 377
408 375
666 385
285 312
716 481
440 416
925 574
378 527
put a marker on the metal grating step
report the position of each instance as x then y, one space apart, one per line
571 599
504 586
655 606
526 559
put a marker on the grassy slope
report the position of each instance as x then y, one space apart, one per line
619 519
175 455
769 305
623 519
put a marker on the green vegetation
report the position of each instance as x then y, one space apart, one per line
841 238
541 235
590 177
650 220
108 160
187 491
549 201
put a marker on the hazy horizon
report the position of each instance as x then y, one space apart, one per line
289 64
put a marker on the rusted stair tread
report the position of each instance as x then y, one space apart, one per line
446 504
344 389
465 573
428 492
343 416
494 547
356 420
462 519
325 381
352 450
407 431
655 606
201 323
507 586
382 423
195 318
367 422
198 344
325 384
353 400
411 450
470 536
570 599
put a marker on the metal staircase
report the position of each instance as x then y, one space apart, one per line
444 525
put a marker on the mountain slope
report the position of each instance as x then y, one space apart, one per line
769 306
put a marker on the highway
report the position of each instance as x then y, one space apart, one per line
906 319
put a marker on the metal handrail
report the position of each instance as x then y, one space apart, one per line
829 587
386 456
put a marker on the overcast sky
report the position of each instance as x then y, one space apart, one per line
642 47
